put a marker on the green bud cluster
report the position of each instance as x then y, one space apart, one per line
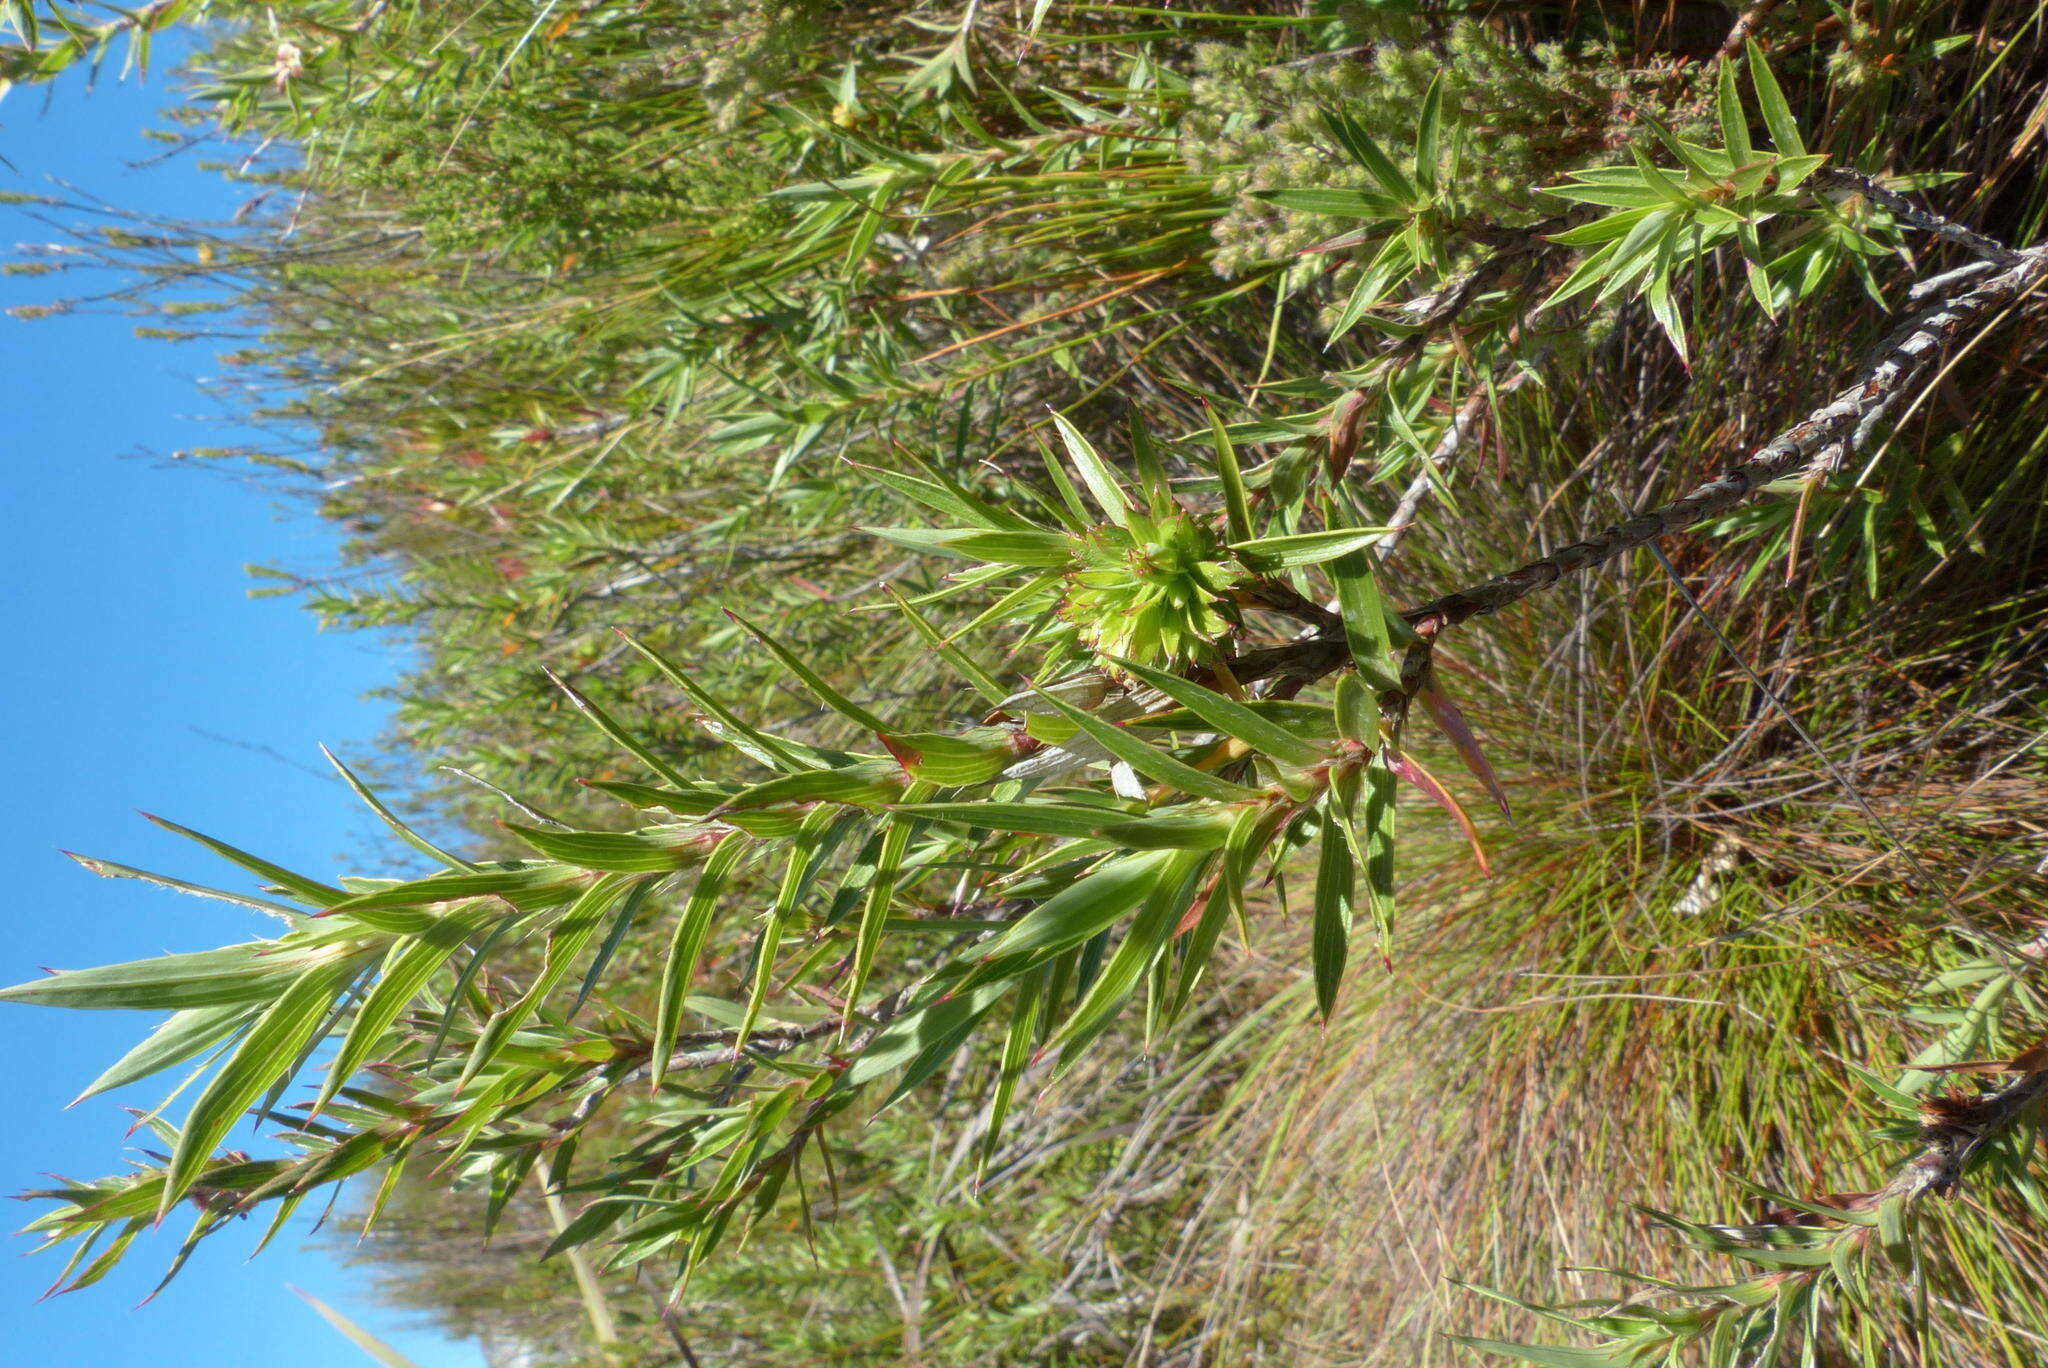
1154 591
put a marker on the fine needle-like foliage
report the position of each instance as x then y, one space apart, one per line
967 696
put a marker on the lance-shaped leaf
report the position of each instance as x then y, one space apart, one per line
1303 720
401 909
407 969
620 735
1549 1355
1336 877
389 818
1237 517
772 751
1411 769
1306 548
679 970
232 975
699 800
312 890
1149 761
181 1036
1150 934
1095 472
1171 829
1451 723
983 682
815 682
108 869
875 909
657 850
1230 717
1358 711
1084 908
1355 141
1365 619
925 1037
1771 100
1041 549
822 829
274 1044
1033 819
1249 835
943 495
1380 787
1016 1057
955 760
570 937
861 784
1734 120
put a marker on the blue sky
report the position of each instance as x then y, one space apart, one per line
139 674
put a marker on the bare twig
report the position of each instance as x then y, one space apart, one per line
1817 445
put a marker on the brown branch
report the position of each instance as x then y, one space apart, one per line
1817 445
1956 1130
1913 216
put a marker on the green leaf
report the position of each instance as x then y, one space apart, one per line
921 1040
942 494
1142 945
1381 786
313 891
107 869
408 968
984 683
813 681
1084 908
1734 119
1171 829
1363 150
1149 761
399 909
1365 620
1249 835
357 1335
1550 1356
1236 504
657 850
390 819
181 1035
1095 472
1307 548
1608 229
1229 716
1358 711
578 925
862 785
232 975
1017 1051
1771 100
820 832
875 909
1335 877
610 727
771 751
1037 819
1637 196
955 759
685 946
1428 134
1354 204
273 1045
1048 549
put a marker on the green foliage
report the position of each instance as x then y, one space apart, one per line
644 346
